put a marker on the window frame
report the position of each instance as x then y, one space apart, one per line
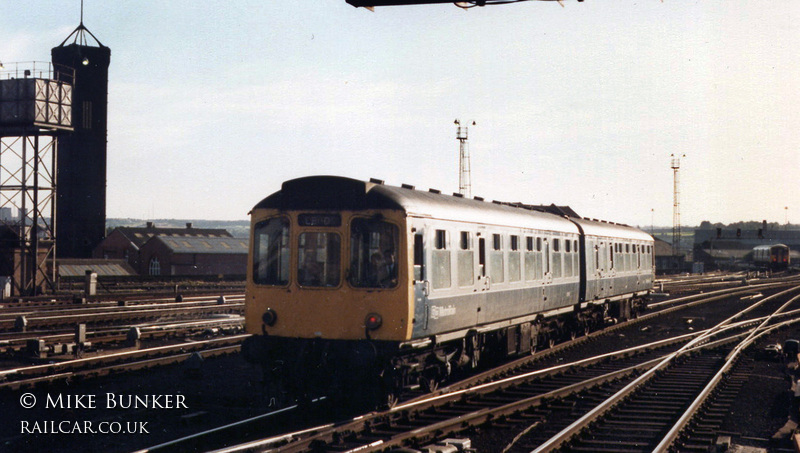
280 263
366 282
337 261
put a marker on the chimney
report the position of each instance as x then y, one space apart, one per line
149 224
188 225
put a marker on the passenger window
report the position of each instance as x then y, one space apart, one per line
529 244
568 246
466 261
465 242
440 265
514 271
557 266
538 244
441 239
496 267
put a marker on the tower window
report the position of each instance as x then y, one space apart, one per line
87 115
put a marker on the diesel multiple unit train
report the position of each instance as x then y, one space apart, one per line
359 285
774 256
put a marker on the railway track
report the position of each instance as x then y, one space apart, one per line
522 397
588 369
105 364
17 342
98 315
138 297
651 413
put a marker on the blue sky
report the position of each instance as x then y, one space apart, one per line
213 104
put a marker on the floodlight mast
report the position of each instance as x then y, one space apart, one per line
464 170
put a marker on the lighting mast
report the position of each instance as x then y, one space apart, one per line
676 207
464 178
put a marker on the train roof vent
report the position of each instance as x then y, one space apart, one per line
434 191
376 181
459 195
407 186
479 198
497 202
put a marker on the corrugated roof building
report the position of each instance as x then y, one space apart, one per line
171 255
71 267
125 243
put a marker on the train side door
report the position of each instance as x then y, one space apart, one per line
485 282
421 282
547 266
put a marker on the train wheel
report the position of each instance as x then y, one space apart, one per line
474 351
475 359
391 399
390 385
429 383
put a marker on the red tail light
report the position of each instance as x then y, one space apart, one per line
373 321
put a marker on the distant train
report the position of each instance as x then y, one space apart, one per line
361 285
775 257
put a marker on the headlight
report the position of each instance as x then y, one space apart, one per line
269 317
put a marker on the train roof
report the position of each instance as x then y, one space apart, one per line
770 246
339 193
607 229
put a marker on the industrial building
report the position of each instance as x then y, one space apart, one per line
126 243
194 256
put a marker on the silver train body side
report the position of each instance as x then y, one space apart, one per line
473 279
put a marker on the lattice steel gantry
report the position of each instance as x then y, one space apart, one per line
35 105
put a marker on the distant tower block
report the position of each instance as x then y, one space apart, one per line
81 163
35 107
464 170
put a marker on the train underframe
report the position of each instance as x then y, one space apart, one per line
378 373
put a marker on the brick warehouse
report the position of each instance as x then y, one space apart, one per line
128 243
